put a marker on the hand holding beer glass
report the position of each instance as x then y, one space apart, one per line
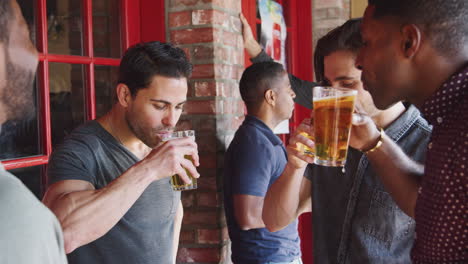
333 110
177 183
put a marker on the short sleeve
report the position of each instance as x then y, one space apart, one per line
253 167
71 162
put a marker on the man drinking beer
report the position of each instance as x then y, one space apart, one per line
355 220
255 159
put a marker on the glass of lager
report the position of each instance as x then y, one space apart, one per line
177 183
333 110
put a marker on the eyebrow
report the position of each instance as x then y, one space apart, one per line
344 78
165 102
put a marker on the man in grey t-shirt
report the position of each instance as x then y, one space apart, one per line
109 180
29 232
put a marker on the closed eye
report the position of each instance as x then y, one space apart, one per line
160 106
348 84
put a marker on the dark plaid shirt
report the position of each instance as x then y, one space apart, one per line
441 208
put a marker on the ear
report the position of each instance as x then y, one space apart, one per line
270 97
123 94
411 40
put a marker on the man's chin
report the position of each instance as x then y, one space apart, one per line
383 104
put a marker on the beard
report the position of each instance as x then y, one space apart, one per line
148 135
18 93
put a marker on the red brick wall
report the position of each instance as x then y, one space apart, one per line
209 31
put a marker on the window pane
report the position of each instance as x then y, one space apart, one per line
28 8
31 177
20 138
106 28
65 27
105 81
67 104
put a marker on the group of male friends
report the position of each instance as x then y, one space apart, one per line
401 198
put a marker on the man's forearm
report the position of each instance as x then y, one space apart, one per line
283 199
177 226
87 215
399 174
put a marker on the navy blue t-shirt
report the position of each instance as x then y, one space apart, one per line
253 161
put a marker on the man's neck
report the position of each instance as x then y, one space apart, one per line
266 117
434 72
115 124
388 116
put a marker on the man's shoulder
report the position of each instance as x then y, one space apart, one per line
86 137
411 122
27 224
9 184
15 197
248 137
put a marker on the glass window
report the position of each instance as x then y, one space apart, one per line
105 80
106 28
67 103
64 27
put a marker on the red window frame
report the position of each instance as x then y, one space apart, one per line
136 18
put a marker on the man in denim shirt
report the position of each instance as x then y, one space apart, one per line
355 219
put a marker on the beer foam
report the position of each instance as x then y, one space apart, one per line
347 97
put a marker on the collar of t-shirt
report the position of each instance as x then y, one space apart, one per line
260 125
447 98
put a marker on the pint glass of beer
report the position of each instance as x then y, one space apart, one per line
333 109
177 183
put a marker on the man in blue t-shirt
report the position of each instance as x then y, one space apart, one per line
253 161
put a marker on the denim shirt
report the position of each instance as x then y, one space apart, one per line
355 220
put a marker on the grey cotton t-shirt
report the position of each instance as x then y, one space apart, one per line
29 232
145 233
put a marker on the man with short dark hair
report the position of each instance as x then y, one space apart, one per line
354 218
29 232
255 158
109 180
417 51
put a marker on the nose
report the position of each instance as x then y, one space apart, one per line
171 117
293 94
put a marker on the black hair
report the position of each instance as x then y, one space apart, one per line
256 80
6 14
443 21
143 61
346 37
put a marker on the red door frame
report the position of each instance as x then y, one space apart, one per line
298 16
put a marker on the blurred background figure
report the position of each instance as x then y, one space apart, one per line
30 233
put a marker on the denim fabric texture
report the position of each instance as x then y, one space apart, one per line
355 220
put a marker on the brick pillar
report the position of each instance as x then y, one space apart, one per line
210 32
328 14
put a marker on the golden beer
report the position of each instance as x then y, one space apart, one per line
179 185
332 124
